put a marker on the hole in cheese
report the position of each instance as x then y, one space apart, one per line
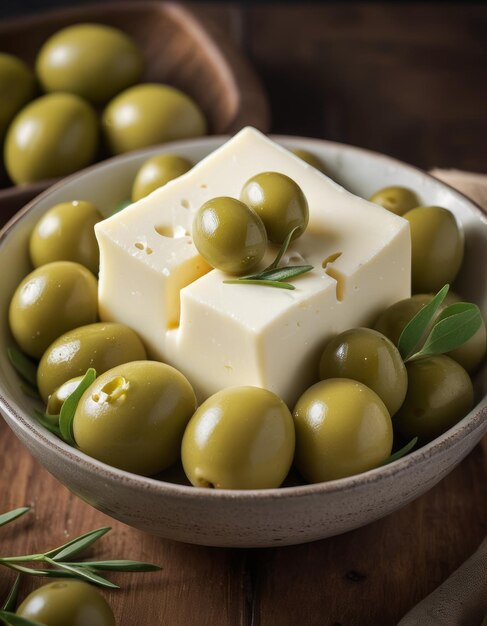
174 232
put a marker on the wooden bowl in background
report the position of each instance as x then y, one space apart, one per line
180 48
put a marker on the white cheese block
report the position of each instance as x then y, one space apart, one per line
220 335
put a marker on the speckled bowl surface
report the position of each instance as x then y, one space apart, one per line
167 506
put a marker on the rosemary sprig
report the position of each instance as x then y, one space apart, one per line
272 276
56 562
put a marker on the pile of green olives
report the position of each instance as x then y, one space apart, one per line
232 235
86 72
437 240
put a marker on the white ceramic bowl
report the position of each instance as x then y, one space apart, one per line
244 518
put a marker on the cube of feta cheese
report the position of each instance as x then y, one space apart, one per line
220 335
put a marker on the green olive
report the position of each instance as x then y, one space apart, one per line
52 136
67 603
279 201
57 398
240 438
229 235
49 301
156 172
440 394
17 87
393 320
149 114
310 159
398 200
342 428
101 346
134 415
93 61
365 355
437 247
66 233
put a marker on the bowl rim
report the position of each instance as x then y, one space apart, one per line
474 420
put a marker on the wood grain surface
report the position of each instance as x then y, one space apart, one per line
405 80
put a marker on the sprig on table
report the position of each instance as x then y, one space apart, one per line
272 275
455 325
58 562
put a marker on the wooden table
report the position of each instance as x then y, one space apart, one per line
405 80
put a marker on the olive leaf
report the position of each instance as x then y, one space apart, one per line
46 420
10 516
16 620
11 599
24 366
454 326
414 330
68 408
77 545
400 453
260 281
122 565
83 574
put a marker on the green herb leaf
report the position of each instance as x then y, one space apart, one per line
16 620
415 329
282 249
47 422
85 574
281 273
23 365
118 566
456 325
400 453
5 518
77 545
68 409
266 283
11 600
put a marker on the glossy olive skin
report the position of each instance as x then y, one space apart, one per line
440 394
101 346
156 172
280 203
17 87
369 357
49 301
437 248
67 603
93 61
393 320
240 438
342 428
149 114
56 399
52 136
66 233
310 159
228 235
398 200
133 416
